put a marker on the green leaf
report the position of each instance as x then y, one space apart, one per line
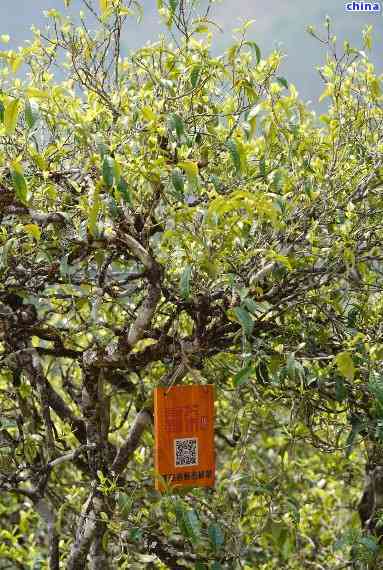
216 536
178 181
243 375
262 167
245 320
282 81
38 563
11 115
199 566
345 365
340 390
124 503
356 426
216 566
234 153
188 522
173 6
114 209
135 534
122 188
185 282
251 305
176 123
370 543
19 182
31 113
294 509
2 111
194 75
5 423
108 169
294 368
5 252
255 47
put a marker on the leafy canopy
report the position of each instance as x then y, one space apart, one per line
173 216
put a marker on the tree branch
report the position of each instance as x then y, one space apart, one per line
141 422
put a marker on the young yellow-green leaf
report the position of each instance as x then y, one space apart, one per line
16 63
185 282
103 6
329 90
39 160
234 153
33 230
178 181
367 40
93 212
116 172
148 114
232 52
108 170
345 365
201 29
256 49
11 115
283 259
375 87
31 113
19 183
191 170
37 93
194 75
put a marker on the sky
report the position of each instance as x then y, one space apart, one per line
278 23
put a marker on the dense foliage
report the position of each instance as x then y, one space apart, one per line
170 216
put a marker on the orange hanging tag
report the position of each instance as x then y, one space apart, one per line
184 435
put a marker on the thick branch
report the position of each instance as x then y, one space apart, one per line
86 531
48 515
144 317
141 422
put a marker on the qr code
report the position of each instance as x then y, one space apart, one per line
186 451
